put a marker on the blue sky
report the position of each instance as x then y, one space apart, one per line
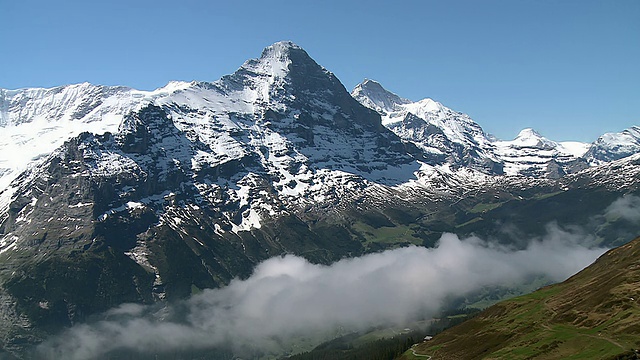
568 68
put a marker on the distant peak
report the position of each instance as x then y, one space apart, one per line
370 83
531 138
528 133
175 85
371 94
371 86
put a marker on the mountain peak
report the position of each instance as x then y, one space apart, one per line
279 49
278 59
529 138
371 85
371 94
528 133
280 52
614 146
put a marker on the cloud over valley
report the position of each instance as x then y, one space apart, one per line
288 297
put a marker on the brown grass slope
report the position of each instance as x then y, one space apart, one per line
593 315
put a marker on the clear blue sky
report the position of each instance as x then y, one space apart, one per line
568 68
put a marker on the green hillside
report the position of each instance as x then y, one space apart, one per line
593 315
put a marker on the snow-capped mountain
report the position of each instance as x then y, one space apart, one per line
113 195
443 134
452 138
282 113
534 155
372 95
35 122
614 146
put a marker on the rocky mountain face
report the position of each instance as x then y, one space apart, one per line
111 195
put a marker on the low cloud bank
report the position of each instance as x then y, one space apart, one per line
627 207
288 297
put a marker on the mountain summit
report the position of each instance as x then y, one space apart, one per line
277 62
372 95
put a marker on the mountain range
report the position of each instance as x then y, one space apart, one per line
111 195
449 137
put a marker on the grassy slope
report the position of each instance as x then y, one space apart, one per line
593 315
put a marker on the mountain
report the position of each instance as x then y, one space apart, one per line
111 195
534 155
594 314
196 184
449 137
442 134
613 146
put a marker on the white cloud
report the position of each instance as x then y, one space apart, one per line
626 207
288 296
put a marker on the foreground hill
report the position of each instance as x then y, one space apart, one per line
593 315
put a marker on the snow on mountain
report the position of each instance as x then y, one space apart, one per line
197 182
449 137
37 121
532 154
614 146
285 117
372 95
280 119
443 134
